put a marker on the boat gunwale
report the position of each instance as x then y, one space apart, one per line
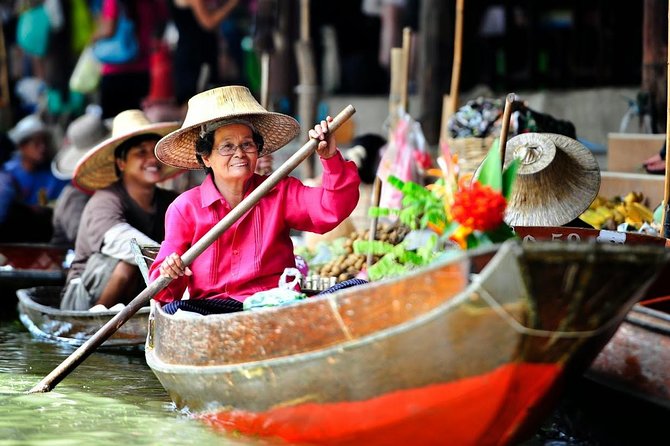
24 299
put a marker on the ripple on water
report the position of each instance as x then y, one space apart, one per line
109 399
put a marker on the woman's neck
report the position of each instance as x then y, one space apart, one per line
142 194
232 191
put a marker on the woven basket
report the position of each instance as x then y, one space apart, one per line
471 151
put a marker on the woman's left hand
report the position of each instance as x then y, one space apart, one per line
326 146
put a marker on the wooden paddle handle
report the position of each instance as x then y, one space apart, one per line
79 355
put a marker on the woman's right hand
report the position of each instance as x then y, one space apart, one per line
173 267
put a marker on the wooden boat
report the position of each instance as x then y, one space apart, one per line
637 359
39 313
24 265
441 354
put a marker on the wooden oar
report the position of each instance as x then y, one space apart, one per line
79 355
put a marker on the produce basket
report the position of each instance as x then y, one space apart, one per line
470 151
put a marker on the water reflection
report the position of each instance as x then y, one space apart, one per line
109 399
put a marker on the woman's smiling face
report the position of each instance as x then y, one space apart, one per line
234 153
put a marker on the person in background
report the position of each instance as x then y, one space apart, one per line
197 46
656 163
126 204
29 168
19 222
124 86
82 134
225 132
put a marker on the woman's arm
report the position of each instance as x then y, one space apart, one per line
106 23
207 19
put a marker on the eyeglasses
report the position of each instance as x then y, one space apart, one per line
229 149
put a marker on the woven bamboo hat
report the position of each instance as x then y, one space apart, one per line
96 169
556 182
233 102
82 134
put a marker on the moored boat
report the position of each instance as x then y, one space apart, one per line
39 313
24 265
636 361
437 355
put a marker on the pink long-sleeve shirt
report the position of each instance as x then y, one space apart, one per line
251 255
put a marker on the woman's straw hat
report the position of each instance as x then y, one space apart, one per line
82 134
96 169
557 180
178 148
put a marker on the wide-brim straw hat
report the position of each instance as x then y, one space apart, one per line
224 103
82 135
96 169
556 182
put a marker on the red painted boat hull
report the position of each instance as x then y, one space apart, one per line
481 410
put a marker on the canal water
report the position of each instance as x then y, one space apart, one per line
115 399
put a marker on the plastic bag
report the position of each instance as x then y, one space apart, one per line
85 77
32 31
122 47
284 294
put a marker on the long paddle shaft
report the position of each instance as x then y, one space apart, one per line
79 355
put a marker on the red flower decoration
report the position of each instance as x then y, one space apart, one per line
478 207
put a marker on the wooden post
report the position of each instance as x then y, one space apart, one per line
665 224
654 60
504 130
307 88
456 66
406 61
396 106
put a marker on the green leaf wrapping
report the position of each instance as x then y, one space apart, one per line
490 172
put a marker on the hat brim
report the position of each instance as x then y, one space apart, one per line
560 192
177 149
96 169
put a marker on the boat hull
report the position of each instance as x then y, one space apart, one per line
24 265
637 359
39 314
430 354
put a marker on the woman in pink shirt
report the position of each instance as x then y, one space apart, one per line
225 132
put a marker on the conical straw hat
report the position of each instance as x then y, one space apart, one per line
556 182
82 134
96 169
178 148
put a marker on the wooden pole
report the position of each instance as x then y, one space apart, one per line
398 85
79 355
307 88
406 59
504 130
265 80
456 65
665 224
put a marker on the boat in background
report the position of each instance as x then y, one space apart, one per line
472 350
40 314
24 265
637 359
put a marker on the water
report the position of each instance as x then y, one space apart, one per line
113 399
110 399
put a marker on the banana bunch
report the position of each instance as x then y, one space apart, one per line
608 214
